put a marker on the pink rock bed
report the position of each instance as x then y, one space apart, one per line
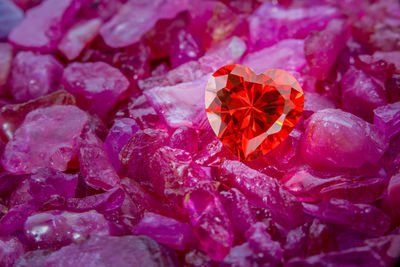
107 157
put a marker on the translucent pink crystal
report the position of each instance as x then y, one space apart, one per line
387 119
10 250
393 88
184 47
210 223
94 163
314 102
48 137
6 56
34 75
358 87
33 258
335 139
118 136
78 37
184 138
15 218
113 251
44 25
97 86
256 186
363 218
123 29
167 231
393 197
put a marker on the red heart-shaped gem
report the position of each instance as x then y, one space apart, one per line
252 114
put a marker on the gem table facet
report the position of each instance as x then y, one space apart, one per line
252 114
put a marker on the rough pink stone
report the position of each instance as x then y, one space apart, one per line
10 250
337 139
166 231
184 138
34 75
6 57
56 228
308 187
97 86
239 211
181 104
94 163
10 17
287 54
123 29
118 136
270 24
358 87
15 218
9 182
314 102
284 207
213 153
392 86
78 37
322 48
168 171
44 25
48 137
104 251
184 47
21 194
387 119
393 197
208 217
240 256
362 218
34 258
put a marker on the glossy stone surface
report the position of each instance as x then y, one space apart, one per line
251 114
6 52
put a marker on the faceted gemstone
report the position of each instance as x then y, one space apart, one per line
105 251
48 137
252 114
34 75
167 231
97 86
56 228
78 37
45 24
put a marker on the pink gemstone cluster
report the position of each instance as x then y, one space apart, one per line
108 159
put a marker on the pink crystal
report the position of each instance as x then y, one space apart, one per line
44 25
337 139
97 86
10 250
393 88
6 57
393 197
185 47
10 17
34 75
78 37
387 119
184 138
167 231
48 137
123 29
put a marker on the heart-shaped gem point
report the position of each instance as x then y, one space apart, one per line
252 114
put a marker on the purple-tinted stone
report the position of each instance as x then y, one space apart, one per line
136 154
239 211
118 136
322 48
80 35
337 139
168 171
213 153
102 251
314 102
12 115
284 207
34 75
44 25
9 182
270 24
96 86
239 256
123 29
387 119
10 250
184 47
181 104
363 218
54 229
95 165
184 138
393 198
6 57
15 218
166 231
103 9
392 86
287 54
34 258
358 87
10 17
21 194
48 137
321 238
296 242
208 217
196 258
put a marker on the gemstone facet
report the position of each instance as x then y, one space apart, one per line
252 114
